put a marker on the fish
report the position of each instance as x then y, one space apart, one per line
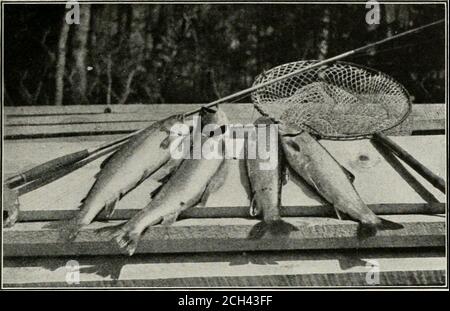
190 184
311 161
140 157
266 176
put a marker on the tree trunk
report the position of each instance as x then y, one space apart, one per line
324 35
80 52
61 62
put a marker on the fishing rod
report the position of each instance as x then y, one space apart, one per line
62 161
55 164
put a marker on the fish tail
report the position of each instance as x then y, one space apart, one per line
70 229
126 238
368 229
274 227
280 227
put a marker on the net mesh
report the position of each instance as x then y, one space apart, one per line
338 101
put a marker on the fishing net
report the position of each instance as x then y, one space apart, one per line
339 101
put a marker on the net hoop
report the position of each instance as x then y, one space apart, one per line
344 82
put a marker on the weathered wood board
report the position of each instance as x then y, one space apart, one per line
45 121
206 248
261 269
374 180
225 234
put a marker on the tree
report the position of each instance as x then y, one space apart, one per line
80 52
61 62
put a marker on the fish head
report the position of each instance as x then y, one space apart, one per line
290 144
172 120
286 130
178 128
214 121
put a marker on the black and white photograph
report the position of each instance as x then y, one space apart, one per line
224 145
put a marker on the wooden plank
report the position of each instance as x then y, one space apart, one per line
374 178
145 113
429 116
135 118
92 109
428 111
225 234
294 268
240 211
48 123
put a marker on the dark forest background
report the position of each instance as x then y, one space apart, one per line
121 54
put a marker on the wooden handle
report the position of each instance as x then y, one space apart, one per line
47 167
53 175
63 161
431 177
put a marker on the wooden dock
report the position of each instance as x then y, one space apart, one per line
215 245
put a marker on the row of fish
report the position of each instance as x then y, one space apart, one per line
189 182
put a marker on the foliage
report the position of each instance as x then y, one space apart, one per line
196 53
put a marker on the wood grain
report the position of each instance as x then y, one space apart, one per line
374 180
198 240
268 269
239 212
44 121
225 234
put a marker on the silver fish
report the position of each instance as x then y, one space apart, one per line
189 185
136 160
309 159
266 176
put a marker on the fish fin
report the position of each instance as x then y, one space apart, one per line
254 210
217 181
165 143
156 191
163 179
107 160
170 219
126 239
389 225
69 229
243 176
285 176
313 184
108 231
365 231
110 206
144 176
166 171
338 213
349 174
209 109
277 227
102 167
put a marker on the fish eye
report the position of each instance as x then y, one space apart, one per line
293 145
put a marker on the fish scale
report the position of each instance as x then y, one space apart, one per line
265 177
309 159
124 170
190 184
